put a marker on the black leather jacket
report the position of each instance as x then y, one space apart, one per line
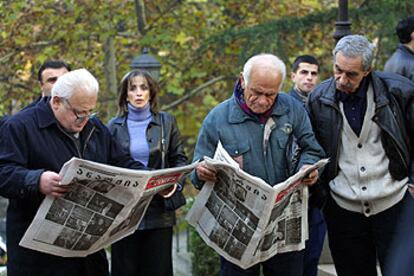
401 62
156 215
394 114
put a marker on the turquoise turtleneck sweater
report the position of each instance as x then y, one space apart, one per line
138 121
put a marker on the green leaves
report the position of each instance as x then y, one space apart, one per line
195 41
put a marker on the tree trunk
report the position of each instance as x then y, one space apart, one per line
110 69
141 19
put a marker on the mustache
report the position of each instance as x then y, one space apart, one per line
348 85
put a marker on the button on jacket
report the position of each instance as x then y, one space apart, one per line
243 137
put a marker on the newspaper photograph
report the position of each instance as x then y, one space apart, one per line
246 220
105 204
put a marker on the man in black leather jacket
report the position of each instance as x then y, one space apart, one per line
402 61
364 121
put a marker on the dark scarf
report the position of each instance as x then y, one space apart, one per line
239 96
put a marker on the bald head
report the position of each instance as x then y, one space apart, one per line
266 62
261 80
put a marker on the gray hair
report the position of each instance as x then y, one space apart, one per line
269 60
80 79
356 46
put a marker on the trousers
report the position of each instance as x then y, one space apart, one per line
146 252
356 241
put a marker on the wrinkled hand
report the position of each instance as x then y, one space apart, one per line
206 173
311 178
166 193
49 184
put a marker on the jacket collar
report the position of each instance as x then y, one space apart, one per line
237 115
120 120
297 95
380 94
380 91
156 119
405 49
44 113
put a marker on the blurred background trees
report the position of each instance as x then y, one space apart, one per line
201 44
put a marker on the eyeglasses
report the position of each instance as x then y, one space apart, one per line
80 118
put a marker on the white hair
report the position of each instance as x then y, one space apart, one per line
80 79
269 60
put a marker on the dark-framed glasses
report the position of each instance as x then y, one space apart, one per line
80 116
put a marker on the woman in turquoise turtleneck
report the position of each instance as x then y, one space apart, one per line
153 138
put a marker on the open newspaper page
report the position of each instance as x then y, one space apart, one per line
247 221
287 227
105 204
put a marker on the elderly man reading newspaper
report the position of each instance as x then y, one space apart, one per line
256 126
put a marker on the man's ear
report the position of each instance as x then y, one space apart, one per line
242 83
292 76
41 83
55 102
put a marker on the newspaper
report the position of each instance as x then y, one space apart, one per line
246 220
104 205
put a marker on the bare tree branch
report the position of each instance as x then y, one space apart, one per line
5 57
18 85
170 7
141 18
39 44
110 66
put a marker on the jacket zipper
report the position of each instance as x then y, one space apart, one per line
80 155
87 139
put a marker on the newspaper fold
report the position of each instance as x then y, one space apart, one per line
104 205
246 220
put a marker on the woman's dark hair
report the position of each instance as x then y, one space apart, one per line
123 91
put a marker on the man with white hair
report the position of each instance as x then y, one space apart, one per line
34 144
256 126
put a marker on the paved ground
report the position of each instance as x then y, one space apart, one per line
181 256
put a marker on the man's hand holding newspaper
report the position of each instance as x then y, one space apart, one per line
102 205
246 220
